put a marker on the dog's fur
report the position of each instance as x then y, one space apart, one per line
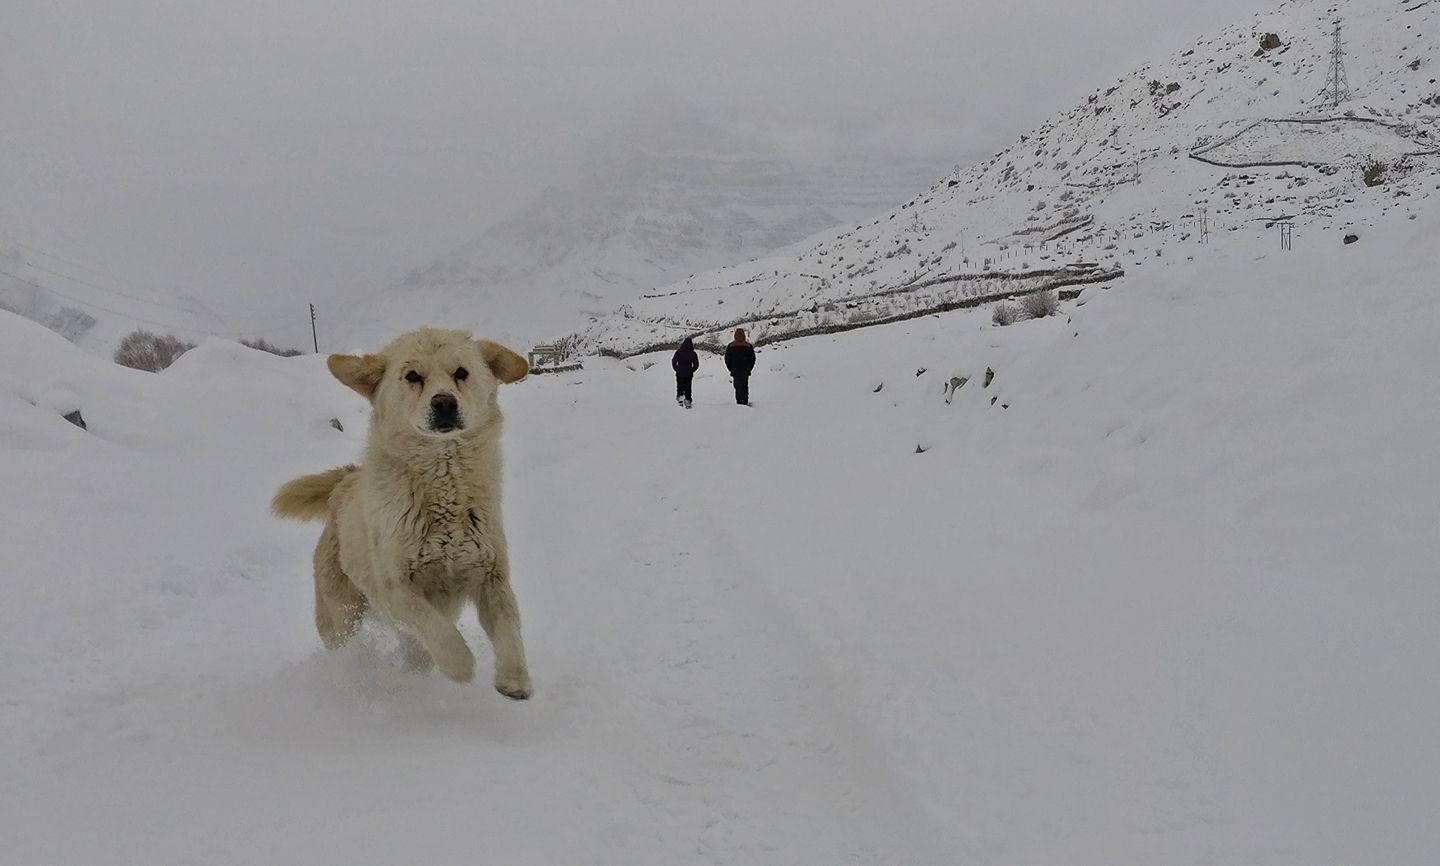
415 531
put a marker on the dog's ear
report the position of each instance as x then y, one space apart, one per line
505 364
360 373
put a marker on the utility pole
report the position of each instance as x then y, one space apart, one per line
1204 225
313 337
1337 83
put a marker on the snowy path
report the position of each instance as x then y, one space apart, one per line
729 719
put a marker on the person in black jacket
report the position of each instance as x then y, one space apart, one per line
685 362
740 360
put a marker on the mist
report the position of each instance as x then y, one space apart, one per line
260 156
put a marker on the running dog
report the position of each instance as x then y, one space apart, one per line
415 531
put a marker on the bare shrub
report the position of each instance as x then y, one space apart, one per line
1038 305
1373 172
143 350
1005 313
265 345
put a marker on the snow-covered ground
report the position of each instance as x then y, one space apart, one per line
1176 604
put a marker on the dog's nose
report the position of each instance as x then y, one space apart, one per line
444 403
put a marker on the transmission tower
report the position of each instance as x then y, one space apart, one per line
1337 84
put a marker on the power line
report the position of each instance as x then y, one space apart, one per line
83 267
104 309
65 261
116 292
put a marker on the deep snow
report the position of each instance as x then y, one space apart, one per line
1175 604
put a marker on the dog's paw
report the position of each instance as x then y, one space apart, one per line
515 686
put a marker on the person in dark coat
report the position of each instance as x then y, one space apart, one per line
685 362
740 360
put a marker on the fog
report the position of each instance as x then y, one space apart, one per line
264 154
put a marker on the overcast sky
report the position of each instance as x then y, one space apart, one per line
263 153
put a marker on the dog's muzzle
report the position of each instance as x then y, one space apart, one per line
445 413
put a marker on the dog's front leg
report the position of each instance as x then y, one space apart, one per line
398 599
500 617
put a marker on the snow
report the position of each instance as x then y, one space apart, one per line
1175 604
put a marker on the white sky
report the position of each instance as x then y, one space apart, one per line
264 153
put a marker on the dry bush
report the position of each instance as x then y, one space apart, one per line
1373 172
265 345
1005 313
143 350
1038 305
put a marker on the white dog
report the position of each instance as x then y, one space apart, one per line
415 531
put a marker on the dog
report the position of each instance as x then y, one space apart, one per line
415 530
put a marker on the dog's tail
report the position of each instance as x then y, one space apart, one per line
308 497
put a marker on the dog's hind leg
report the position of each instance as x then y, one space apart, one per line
500 617
413 653
339 606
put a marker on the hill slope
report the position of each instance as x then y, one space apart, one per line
1145 168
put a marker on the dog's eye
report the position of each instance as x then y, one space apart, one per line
414 377
461 374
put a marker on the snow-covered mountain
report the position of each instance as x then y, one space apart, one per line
1231 135
666 194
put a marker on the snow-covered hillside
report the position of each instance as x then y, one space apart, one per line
667 194
1164 591
1202 148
